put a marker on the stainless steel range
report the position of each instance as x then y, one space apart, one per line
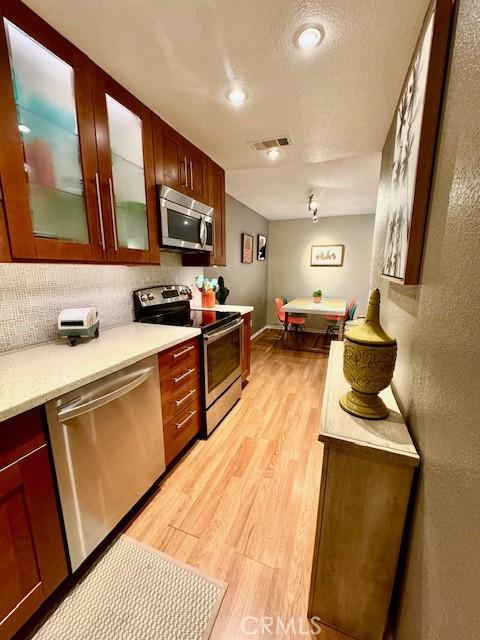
222 343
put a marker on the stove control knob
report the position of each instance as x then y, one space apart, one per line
151 296
143 297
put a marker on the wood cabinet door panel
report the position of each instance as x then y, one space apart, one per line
196 176
217 200
167 144
32 173
33 561
19 573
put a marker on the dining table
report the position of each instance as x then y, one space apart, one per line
326 307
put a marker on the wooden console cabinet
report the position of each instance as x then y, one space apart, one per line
367 473
32 553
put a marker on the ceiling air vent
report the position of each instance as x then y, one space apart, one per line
261 145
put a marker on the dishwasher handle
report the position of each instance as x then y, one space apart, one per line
68 412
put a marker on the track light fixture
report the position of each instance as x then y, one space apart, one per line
313 207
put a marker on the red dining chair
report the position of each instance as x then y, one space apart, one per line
297 323
332 328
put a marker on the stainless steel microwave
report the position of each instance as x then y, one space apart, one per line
185 223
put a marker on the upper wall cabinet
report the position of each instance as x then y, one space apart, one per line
127 174
48 160
178 163
216 180
216 191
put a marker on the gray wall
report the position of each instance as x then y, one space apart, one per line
437 374
247 282
289 270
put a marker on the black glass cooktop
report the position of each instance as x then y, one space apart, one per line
205 320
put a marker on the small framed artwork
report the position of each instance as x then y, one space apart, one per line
261 247
327 255
247 248
416 124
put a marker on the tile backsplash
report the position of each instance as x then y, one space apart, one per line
32 295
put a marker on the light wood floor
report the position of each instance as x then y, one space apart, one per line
242 505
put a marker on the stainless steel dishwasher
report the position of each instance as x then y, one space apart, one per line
108 450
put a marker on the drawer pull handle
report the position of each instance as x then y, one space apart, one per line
179 425
184 375
191 392
181 353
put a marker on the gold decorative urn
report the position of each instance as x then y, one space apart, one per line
368 363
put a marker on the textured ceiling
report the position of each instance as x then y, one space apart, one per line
336 102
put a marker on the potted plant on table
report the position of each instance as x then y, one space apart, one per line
207 288
317 296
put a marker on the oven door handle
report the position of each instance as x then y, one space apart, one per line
211 337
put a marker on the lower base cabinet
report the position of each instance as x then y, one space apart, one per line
32 553
247 331
181 396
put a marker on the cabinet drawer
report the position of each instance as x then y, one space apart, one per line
181 429
175 403
181 354
179 377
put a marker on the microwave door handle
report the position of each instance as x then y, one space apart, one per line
68 412
203 232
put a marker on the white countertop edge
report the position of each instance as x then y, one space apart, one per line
225 307
11 410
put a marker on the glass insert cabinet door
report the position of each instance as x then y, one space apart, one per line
47 122
125 150
45 104
127 183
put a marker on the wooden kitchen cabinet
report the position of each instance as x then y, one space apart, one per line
367 472
247 330
31 544
167 148
178 163
216 190
181 392
127 173
80 156
48 159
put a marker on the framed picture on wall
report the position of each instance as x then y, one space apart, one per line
247 248
261 247
327 255
416 125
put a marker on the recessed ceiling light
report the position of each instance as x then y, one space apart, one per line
273 154
309 37
23 128
237 95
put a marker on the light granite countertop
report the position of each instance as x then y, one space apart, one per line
30 377
225 307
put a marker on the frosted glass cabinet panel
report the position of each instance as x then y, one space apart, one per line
43 86
128 176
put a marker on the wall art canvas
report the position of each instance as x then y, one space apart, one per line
414 148
327 255
261 247
247 248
